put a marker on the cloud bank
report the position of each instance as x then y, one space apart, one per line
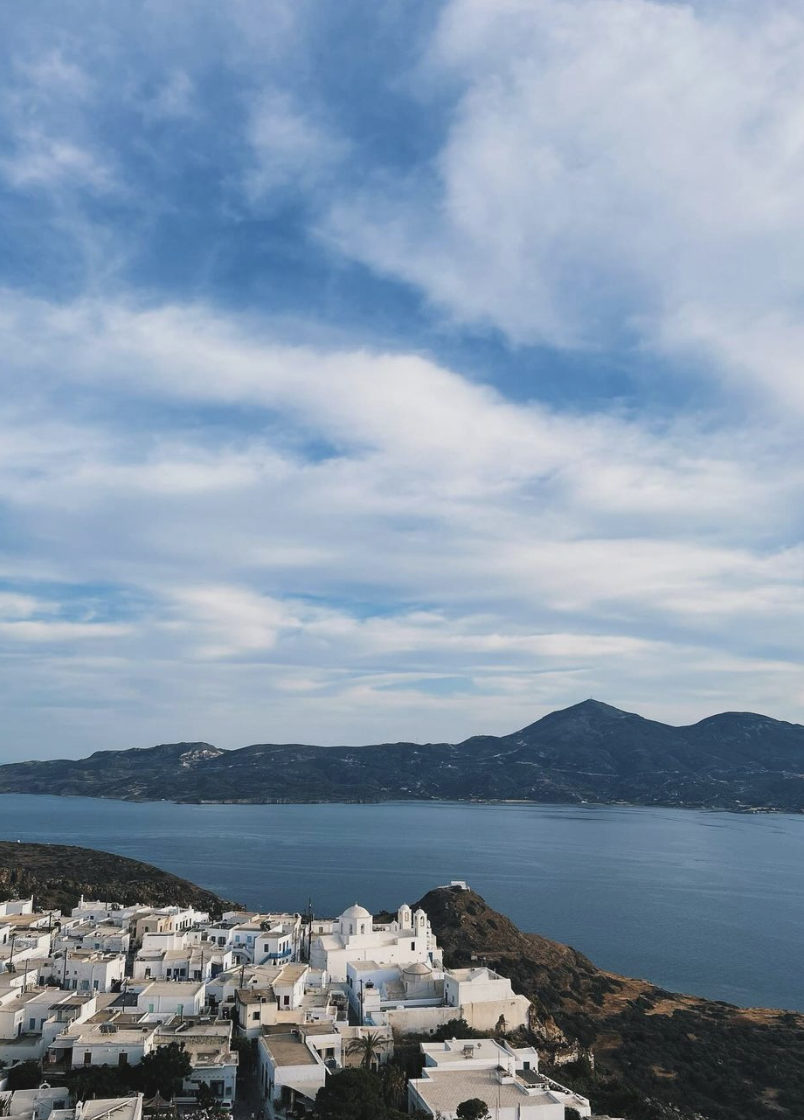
359 394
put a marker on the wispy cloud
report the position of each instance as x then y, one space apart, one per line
616 170
397 392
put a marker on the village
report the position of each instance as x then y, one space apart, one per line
264 1010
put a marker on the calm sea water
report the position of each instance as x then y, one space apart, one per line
710 903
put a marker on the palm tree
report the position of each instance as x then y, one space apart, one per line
394 1084
369 1046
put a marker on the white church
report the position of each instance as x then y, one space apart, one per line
355 937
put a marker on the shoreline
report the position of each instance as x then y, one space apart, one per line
747 811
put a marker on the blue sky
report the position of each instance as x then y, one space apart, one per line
395 371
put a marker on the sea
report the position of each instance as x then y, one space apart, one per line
700 902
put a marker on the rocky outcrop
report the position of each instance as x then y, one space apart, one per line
658 1055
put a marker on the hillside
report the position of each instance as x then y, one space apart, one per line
57 875
657 1055
588 752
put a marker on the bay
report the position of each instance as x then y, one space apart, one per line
701 902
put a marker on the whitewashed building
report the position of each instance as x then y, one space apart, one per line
355 937
84 970
506 1078
290 1068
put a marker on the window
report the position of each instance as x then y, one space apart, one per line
32 1024
286 1000
413 944
255 1014
87 1058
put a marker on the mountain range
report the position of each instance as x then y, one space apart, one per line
590 752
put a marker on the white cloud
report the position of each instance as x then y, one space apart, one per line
290 148
46 161
453 562
56 631
611 169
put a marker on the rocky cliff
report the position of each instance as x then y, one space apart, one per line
658 1054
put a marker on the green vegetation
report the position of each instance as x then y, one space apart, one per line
162 1071
24 1075
352 1094
98 1081
473 1109
58 874
370 1047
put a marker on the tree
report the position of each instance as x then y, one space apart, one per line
247 1054
162 1071
24 1075
369 1046
394 1084
207 1101
98 1081
473 1109
456 1028
351 1094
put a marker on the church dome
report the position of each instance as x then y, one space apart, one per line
418 969
356 912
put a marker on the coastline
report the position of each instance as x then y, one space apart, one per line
748 810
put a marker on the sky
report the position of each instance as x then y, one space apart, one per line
397 371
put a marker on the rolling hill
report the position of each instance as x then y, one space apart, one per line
590 752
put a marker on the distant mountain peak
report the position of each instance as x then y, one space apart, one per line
595 706
586 713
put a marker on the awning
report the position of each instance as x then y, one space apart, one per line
307 1089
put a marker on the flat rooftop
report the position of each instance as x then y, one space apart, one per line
255 995
117 1108
194 1028
289 1050
93 1034
169 987
457 1050
444 1090
291 973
